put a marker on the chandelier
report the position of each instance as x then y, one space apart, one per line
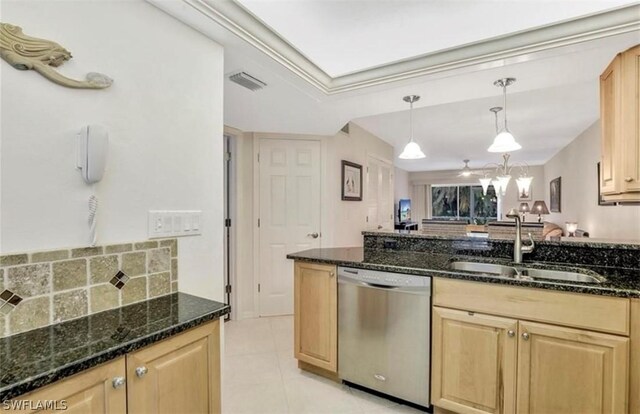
412 150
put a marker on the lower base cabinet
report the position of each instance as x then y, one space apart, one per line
559 369
179 375
99 390
316 316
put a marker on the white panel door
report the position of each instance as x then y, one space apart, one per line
379 194
289 173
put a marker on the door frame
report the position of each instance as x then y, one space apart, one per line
258 137
381 159
230 234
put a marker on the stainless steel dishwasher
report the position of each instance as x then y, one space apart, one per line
384 332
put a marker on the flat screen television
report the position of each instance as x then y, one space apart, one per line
404 210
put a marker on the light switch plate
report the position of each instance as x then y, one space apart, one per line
174 223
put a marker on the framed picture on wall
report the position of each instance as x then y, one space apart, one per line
351 181
524 194
601 201
555 195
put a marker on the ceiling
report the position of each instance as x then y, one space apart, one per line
343 37
554 99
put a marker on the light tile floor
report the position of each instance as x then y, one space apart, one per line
262 377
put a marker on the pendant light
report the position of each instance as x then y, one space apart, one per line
504 141
412 150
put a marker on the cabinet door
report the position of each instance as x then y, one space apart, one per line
316 315
178 375
564 370
631 119
90 392
610 124
474 362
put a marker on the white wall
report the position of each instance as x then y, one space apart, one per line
346 220
401 186
164 115
576 164
509 200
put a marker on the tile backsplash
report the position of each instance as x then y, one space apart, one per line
42 288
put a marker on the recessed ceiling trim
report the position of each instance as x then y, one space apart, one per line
245 25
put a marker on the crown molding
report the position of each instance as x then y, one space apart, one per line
235 18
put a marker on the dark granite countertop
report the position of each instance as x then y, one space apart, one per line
620 282
40 357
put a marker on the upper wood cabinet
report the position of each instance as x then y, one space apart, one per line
99 390
620 123
178 375
316 315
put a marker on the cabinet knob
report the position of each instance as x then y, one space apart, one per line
628 179
332 273
511 333
313 235
141 371
525 336
118 382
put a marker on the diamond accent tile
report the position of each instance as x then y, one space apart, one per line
8 301
119 280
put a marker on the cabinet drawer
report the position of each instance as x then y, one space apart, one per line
598 313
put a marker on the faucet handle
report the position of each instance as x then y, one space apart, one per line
529 247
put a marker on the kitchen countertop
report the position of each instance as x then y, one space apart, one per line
40 357
621 282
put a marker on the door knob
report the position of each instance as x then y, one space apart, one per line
118 382
141 371
525 336
314 235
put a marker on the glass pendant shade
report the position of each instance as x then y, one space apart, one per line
412 151
485 182
524 184
504 182
504 142
497 186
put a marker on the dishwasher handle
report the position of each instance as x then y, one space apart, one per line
416 290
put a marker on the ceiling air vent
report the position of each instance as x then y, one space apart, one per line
248 81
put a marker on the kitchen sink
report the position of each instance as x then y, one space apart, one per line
485 268
527 273
566 276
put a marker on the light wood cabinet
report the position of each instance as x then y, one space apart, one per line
316 315
560 369
620 127
563 370
178 375
474 362
90 392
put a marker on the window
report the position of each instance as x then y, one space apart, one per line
463 202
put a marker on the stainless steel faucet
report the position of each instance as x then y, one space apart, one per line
518 248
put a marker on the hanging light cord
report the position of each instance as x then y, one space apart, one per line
504 94
411 120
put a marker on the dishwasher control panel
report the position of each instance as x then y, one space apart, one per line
377 277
